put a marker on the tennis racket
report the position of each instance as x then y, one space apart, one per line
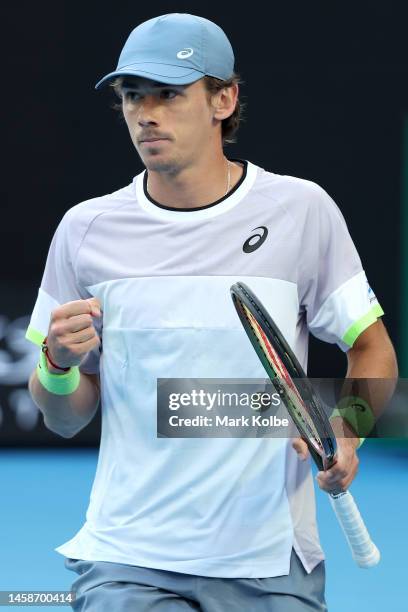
306 410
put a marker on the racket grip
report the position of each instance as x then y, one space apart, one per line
364 551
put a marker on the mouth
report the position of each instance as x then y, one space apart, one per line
150 140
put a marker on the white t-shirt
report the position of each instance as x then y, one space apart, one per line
212 507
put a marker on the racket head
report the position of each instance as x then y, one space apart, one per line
287 375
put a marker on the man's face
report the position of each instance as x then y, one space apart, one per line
170 125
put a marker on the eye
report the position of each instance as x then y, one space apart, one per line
168 94
131 95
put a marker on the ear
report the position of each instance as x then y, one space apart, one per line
224 102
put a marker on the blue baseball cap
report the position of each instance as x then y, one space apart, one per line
176 49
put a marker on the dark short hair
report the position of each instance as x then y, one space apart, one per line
230 125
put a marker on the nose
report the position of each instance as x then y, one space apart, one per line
147 111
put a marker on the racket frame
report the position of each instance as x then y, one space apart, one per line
324 456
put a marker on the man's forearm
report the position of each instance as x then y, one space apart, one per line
372 374
66 414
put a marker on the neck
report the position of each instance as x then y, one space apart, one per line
195 186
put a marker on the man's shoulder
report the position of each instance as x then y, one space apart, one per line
298 196
290 185
103 203
81 215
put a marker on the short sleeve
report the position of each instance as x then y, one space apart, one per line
59 285
333 288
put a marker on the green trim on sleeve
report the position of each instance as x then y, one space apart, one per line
34 336
359 326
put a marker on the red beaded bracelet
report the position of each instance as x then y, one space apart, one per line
45 349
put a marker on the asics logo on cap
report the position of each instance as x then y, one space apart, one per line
185 53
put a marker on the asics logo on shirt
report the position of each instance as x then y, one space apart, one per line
185 53
249 245
371 294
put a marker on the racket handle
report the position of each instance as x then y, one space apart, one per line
364 551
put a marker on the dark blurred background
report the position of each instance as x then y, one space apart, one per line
326 90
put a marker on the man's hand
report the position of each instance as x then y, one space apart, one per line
71 334
343 472
300 447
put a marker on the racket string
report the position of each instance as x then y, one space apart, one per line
285 387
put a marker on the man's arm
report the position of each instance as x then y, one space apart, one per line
371 357
372 370
71 335
66 415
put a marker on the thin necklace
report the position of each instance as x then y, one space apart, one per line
228 178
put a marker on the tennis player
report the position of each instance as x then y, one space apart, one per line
194 524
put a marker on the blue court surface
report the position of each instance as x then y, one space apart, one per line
44 496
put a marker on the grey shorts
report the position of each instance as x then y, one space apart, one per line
104 586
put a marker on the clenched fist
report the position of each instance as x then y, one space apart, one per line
71 333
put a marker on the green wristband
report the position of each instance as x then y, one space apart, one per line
357 413
59 384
